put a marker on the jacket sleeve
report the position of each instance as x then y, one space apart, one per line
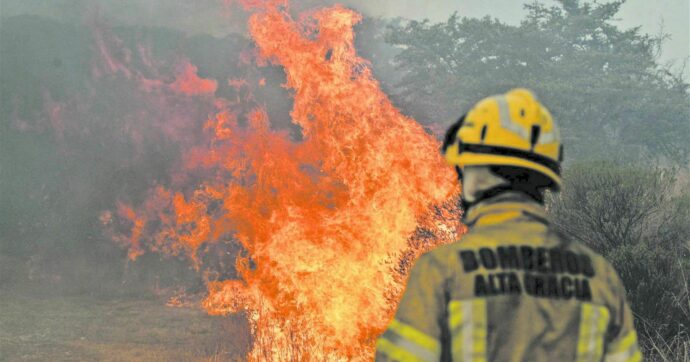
415 332
621 343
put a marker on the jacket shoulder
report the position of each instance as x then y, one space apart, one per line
607 272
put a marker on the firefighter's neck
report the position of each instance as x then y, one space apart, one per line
476 180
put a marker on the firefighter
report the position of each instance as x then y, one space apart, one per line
513 289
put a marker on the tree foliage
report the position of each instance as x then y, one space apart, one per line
603 84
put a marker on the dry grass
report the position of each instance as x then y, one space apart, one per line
655 346
88 329
657 349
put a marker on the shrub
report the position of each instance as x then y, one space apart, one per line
639 222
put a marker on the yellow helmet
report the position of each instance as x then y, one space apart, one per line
511 129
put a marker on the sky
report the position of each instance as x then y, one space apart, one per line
209 16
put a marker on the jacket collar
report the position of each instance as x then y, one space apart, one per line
504 207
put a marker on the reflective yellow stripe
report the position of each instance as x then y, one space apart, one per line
628 341
601 326
412 334
406 343
593 323
513 208
636 356
624 351
467 322
496 218
394 352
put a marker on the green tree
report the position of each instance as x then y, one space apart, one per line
603 84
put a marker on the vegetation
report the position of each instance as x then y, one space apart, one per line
638 220
622 115
602 84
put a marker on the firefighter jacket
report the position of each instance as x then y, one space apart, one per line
511 290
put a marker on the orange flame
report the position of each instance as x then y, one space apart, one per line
330 224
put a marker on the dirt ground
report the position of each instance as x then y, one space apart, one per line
92 329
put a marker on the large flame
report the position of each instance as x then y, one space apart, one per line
328 225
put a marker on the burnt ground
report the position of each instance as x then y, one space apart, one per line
88 329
